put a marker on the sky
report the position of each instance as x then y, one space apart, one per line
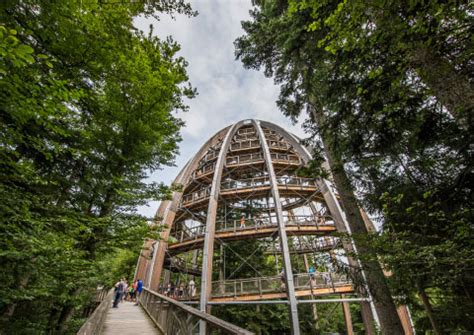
227 92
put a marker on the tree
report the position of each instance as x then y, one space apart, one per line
406 64
86 106
430 39
282 45
384 130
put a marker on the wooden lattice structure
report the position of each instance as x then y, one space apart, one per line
244 184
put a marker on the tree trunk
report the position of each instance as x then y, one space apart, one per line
52 320
384 304
9 309
66 314
429 310
453 90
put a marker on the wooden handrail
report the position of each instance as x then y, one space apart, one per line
95 322
255 223
226 327
241 184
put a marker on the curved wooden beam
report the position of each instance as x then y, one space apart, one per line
290 286
168 209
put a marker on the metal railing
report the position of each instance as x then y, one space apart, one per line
174 317
234 184
264 285
276 157
246 158
272 137
211 155
195 196
95 322
284 182
188 234
319 244
256 223
246 131
278 145
250 144
296 181
245 137
208 168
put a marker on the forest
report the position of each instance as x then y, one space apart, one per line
88 111
387 90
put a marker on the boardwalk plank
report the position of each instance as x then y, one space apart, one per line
128 319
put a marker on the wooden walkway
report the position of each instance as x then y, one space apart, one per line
128 319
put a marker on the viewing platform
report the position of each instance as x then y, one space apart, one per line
268 288
193 238
280 161
303 247
251 188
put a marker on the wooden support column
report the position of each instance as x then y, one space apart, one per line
140 261
369 315
143 261
208 249
290 287
347 316
167 210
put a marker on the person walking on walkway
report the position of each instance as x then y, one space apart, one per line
118 293
192 288
242 221
139 289
168 290
125 290
312 272
282 279
131 293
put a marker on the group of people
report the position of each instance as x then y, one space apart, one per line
125 292
324 274
179 290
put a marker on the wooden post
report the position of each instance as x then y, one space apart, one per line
290 288
208 249
347 316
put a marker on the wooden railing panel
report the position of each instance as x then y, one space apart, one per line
95 322
173 317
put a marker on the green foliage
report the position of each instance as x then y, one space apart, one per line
264 319
380 82
118 264
430 38
86 115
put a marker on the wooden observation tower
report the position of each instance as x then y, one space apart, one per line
244 184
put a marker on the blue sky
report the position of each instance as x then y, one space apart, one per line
227 92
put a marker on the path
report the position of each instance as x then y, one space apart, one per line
128 319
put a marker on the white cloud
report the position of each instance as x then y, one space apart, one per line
227 92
